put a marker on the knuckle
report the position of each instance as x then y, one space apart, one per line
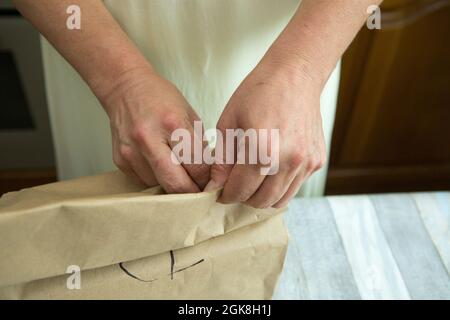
140 134
118 161
171 122
321 163
126 152
311 165
317 163
159 164
296 159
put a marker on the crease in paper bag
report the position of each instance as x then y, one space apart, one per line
103 220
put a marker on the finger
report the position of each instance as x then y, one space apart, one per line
199 173
244 177
225 158
139 165
123 165
196 168
291 192
219 176
272 190
134 176
242 183
172 177
192 162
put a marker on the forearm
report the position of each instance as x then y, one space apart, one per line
318 35
101 52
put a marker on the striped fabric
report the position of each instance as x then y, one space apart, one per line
394 246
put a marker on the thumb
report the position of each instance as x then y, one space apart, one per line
219 176
224 155
221 169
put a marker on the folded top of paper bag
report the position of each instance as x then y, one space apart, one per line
103 220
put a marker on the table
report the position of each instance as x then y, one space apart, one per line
393 246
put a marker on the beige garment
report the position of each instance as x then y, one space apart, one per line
206 48
132 243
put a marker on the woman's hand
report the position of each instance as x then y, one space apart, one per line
283 92
273 96
144 109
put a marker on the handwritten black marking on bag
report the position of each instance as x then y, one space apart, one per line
172 267
132 275
172 264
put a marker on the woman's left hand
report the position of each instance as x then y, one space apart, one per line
273 96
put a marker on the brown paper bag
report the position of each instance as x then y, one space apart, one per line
130 243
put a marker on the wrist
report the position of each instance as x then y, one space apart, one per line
294 72
104 69
113 88
295 67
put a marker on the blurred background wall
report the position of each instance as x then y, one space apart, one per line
26 148
392 130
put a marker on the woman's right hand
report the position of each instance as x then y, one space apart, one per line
144 109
